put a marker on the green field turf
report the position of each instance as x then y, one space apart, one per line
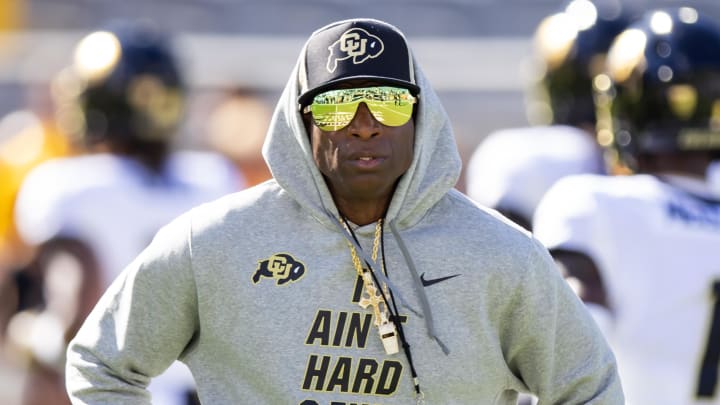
338 113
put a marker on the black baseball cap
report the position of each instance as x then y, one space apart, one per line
359 48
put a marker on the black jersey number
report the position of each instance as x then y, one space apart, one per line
708 379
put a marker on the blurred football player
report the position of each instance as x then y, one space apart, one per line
123 97
642 250
512 168
27 138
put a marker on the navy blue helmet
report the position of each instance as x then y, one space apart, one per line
130 88
569 51
661 93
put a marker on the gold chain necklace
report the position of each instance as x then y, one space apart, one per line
372 296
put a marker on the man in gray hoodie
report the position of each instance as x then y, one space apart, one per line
357 275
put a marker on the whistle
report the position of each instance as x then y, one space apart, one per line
388 335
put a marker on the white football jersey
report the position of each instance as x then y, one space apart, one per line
115 205
512 168
713 176
657 246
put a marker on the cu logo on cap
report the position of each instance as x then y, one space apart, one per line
355 43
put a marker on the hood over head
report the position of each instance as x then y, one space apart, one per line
436 163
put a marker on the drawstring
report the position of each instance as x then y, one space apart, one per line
417 285
394 313
419 395
419 289
363 255
429 324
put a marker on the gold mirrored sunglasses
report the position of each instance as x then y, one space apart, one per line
334 110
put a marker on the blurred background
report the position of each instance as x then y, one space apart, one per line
473 51
236 53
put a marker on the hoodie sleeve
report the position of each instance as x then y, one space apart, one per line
144 321
558 332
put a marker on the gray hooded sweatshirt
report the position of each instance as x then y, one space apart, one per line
256 292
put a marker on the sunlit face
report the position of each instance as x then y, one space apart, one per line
364 160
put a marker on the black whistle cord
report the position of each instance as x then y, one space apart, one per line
394 313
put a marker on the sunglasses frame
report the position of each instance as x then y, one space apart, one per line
377 108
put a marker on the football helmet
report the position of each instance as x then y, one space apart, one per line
569 50
661 92
124 87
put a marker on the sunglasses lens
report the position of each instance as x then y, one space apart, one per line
335 109
333 117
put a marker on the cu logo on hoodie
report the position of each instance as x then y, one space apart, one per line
355 43
282 267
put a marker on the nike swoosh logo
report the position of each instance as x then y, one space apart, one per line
428 283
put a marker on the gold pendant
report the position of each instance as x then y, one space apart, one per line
387 330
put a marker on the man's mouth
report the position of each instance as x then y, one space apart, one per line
367 161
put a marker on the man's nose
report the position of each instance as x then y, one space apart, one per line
364 124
